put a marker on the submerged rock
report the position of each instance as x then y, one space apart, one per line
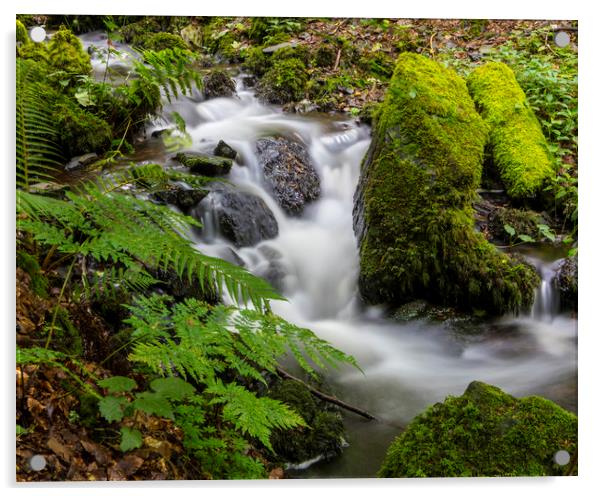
566 283
413 214
241 217
519 149
223 149
288 170
322 438
218 84
199 163
484 433
81 162
183 198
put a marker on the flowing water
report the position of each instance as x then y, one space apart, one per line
406 367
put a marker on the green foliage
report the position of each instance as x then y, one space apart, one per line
22 35
130 439
255 61
483 433
37 153
418 179
131 238
205 344
194 341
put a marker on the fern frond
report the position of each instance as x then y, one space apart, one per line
252 415
37 154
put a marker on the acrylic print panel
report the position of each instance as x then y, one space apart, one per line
295 248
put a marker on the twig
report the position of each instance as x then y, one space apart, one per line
325 397
344 21
336 62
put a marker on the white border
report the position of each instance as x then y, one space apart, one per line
590 163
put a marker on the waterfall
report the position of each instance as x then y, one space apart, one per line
313 260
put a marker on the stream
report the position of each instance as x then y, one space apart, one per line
406 366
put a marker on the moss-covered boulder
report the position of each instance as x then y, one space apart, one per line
66 53
79 131
484 432
518 146
205 165
162 41
413 214
284 82
324 434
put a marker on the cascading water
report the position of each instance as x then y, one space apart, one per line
315 261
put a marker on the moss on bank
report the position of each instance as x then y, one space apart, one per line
413 214
518 146
484 432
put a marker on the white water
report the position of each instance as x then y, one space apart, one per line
406 366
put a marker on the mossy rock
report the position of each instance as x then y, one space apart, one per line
136 32
205 164
518 146
413 212
162 41
484 433
65 52
284 83
325 431
80 132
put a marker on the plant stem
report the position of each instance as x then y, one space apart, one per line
58 303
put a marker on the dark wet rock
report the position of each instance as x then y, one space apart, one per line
81 162
483 433
325 431
199 163
218 84
249 81
223 149
157 133
288 170
181 287
241 217
566 283
183 198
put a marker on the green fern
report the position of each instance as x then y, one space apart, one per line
169 70
38 156
133 238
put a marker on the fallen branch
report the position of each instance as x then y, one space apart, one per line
325 397
336 62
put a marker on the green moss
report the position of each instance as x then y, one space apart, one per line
300 52
379 64
519 148
324 433
484 432
66 336
256 62
22 35
65 53
136 32
39 283
413 213
80 131
285 82
205 165
161 41
325 56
